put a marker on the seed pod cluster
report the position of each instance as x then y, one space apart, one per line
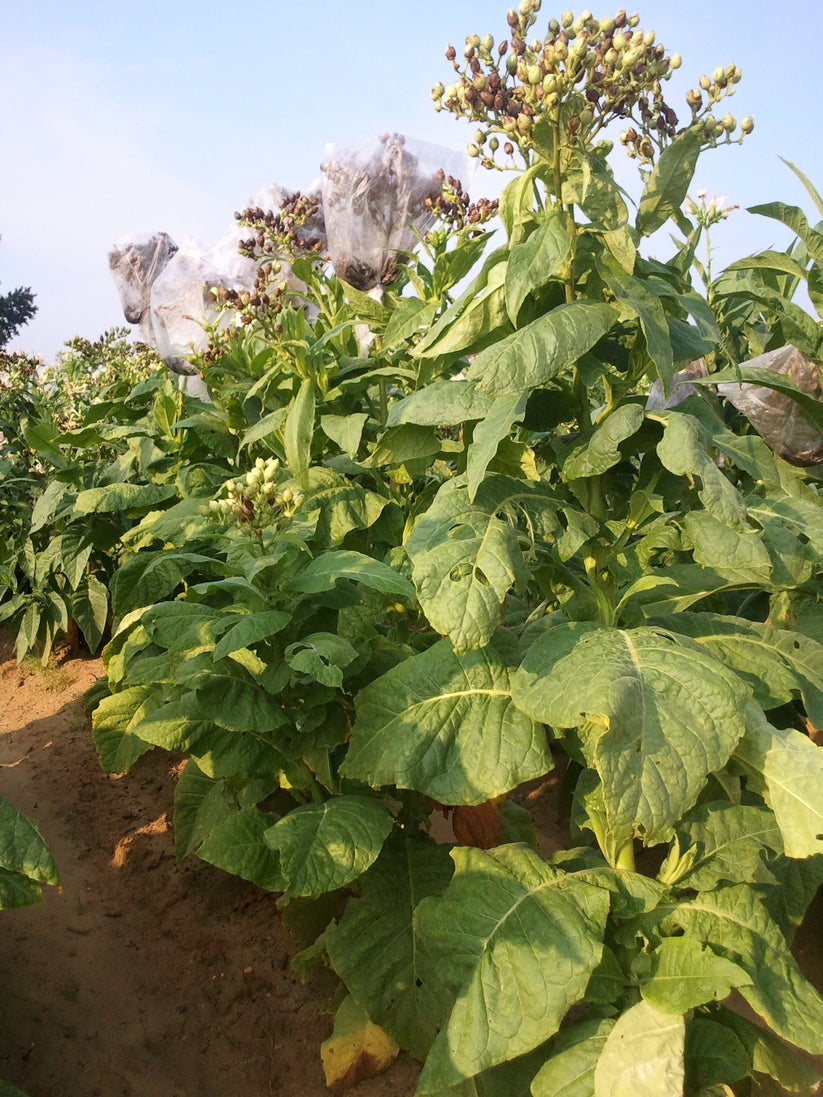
255 501
581 76
454 207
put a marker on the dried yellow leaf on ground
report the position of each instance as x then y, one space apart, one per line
357 1048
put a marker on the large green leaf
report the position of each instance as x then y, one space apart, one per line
444 724
575 1051
325 846
466 556
776 664
795 219
599 449
530 357
17 890
338 506
718 842
714 1054
200 805
738 553
90 609
249 628
377 951
321 574
487 436
475 318
22 849
734 922
519 940
533 262
658 714
772 1061
666 187
322 656
443 403
117 746
789 766
643 1055
126 497
237 845
637 298
685 450
298 433
149 577
685 974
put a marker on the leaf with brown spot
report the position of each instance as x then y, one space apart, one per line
357 1049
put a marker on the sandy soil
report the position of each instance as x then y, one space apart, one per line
135 978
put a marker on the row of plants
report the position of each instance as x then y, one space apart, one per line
389 575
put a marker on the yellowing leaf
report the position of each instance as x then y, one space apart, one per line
357 1049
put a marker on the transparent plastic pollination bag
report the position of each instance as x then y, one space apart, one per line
374 201
779 420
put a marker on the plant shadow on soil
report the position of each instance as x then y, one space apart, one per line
139 979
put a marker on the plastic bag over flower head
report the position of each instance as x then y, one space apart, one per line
135 262
779 420
374 198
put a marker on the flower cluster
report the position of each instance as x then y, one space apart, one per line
255 501
708 213
584 74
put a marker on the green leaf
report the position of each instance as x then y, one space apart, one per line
795 219
685 974
264 428
643 1055
575 1052
791 768
116 744
473 320
90 609
776 664
377 951
720 842
345 430
250 629
22 849
322 656
17 890
487 436
734 922
410 315
237 845
532 263
237 704
298 433
519 940
466 555
639 299
658 713
149 577
683 450
441 404
530 357
321 574
338 505
739 554
666 187
325 846
444 724
599 449
111 498
714 1055
201 803
771 1059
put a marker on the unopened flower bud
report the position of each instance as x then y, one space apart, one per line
675 61
487 43
728 123
473 150
747 125
525 7
705 82
648 38
567 18
719 76
634 20
437 91
606 26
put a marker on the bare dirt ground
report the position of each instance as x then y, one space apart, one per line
139 979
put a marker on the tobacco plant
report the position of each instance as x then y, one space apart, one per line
466 550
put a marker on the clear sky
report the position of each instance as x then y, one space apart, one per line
123 117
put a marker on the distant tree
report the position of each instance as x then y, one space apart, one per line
16 309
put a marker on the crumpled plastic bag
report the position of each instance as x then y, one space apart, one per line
135 263
779 420
374 198
681 387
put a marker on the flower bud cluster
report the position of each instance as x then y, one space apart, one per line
582 75
256 501
454 207
704 98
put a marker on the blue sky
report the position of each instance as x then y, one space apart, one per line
122 118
